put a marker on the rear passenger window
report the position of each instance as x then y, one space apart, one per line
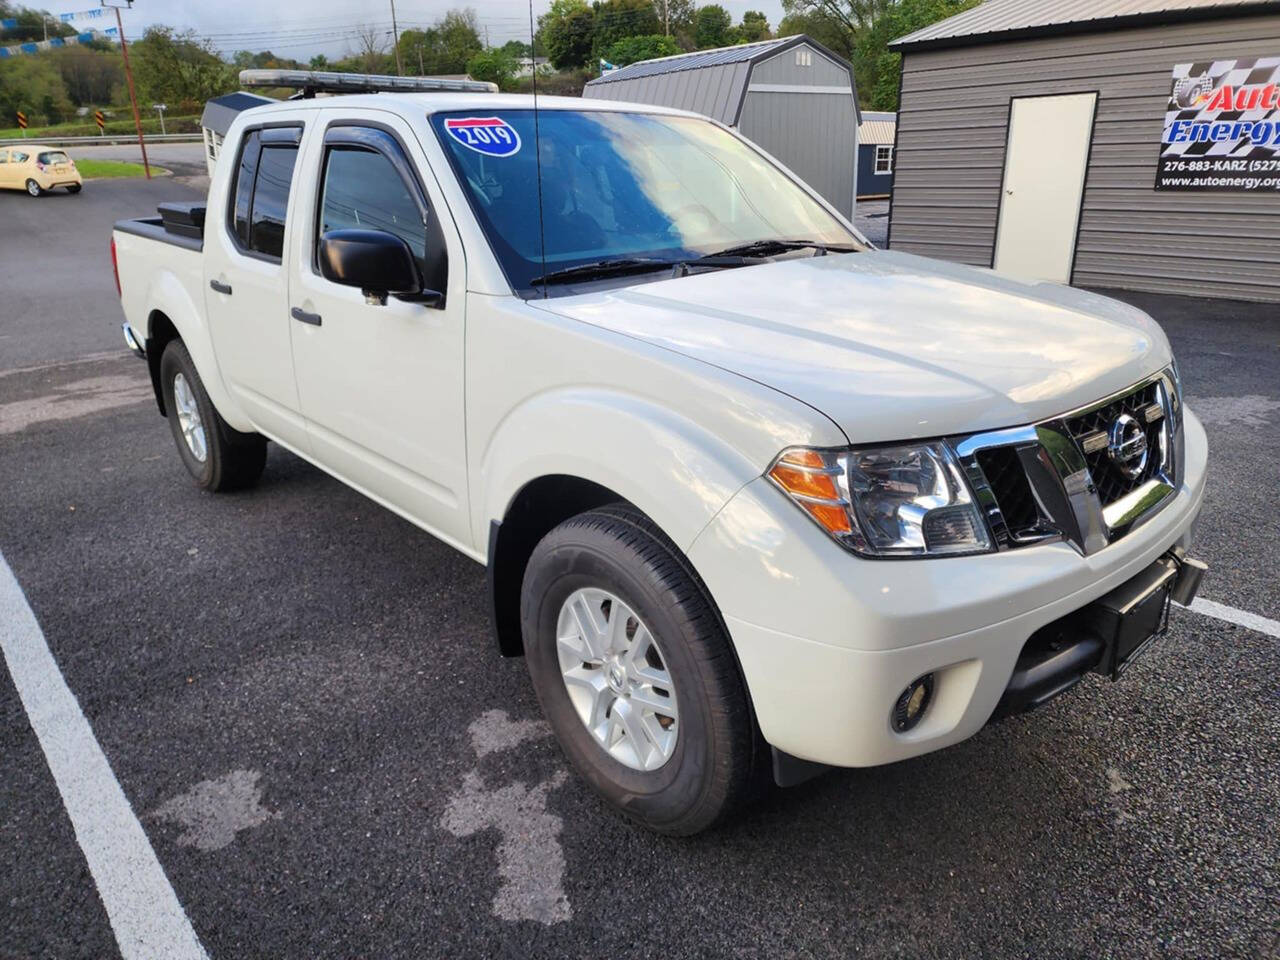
271 199
244 186
261 196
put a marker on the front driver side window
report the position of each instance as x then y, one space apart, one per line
363 190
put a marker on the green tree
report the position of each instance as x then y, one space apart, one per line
459 40
755 26
618 19
418 51
712 27
649 47
176 68
319 62
495 66
825 30
32 24
676 20
91 76
515 49
33 85
875 66
566 32
445 47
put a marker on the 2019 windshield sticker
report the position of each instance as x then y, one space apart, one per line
491 136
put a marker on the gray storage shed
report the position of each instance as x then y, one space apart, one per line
1108 143
792 96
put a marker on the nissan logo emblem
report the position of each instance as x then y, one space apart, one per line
1127 446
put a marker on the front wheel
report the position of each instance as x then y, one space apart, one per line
216 455
635 673
33 188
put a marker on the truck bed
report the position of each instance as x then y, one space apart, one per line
181 224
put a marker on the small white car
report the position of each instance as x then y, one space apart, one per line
36 169
754 497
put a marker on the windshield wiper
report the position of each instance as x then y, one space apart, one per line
600 269
765 248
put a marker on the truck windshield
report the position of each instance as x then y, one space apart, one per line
630 186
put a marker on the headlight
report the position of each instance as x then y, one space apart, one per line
900 501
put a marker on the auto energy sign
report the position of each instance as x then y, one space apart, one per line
1222 127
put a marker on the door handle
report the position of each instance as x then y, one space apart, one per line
299 314
220 287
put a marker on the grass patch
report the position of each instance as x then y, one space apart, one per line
99 169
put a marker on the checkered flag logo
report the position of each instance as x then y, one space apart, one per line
1196 97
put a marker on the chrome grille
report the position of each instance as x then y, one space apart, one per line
1144 406
1080 477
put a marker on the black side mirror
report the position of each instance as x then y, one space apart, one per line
379 263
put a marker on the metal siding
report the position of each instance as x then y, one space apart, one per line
782 68
814 135
951 143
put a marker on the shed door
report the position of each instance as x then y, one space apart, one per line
1044 170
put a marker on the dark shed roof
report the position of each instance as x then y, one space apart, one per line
220 112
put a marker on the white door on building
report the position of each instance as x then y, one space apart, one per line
1044 170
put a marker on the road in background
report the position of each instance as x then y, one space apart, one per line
184 159
296 691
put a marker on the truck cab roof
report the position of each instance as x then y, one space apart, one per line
414 104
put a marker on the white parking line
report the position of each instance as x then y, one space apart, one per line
146 917
1241 618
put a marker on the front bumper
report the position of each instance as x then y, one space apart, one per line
828 641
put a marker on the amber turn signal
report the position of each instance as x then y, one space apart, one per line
810 479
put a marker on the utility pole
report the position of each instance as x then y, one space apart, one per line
395 39
128 75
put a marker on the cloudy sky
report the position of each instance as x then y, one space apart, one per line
300 28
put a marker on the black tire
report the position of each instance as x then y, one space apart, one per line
233 460
74 187
33 189
618 549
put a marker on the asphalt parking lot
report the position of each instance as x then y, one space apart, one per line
298 696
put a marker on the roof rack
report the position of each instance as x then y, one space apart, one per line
311 82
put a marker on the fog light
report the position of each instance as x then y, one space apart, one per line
913 703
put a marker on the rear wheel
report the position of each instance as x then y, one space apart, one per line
634 671
73 187
217 456
33 188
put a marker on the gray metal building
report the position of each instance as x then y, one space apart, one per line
792 96
1112 143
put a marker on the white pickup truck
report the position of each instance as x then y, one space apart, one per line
753 495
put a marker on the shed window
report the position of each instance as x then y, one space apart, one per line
884 158
804 58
